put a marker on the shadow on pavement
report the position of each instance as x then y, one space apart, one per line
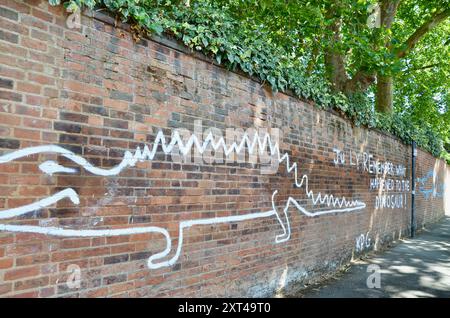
418 267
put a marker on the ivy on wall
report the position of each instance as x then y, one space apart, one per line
209 29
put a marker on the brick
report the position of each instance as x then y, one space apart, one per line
47 292
66 255
50 92
70 128
42 36
26 134
41 79
98 110
34 44
15 274
9 37
9 14
114 279
49 113
82 87
100 292
116 259
139 256
13 27
33 66
116 123
41 57
34 100
28 110
37 123
11 73
41 15
30 294
15 51
73 117
28 88
16 6
34 22
32 260
10 96
33 191
121 96
72 139
6 83
124 287
31 283
6 263
76 243
9 143
5 288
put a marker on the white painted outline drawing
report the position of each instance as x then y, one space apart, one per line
336 205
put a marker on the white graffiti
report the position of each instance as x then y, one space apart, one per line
50 167
362 242
366 162
332 203
391 201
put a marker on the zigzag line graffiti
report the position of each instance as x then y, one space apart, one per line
337 205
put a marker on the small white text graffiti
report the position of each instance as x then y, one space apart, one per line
365 162
362 242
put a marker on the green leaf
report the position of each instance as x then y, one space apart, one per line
157 28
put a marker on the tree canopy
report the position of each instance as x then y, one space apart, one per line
383 64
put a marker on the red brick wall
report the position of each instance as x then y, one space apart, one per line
94 92
432 188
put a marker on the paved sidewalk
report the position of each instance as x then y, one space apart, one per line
418 267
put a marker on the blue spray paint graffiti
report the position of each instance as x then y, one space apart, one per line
437 188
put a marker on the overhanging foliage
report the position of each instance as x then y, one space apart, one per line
211 28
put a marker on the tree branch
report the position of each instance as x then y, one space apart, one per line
423 67
359 82
422 30
388 12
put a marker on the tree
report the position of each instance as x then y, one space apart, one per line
354 56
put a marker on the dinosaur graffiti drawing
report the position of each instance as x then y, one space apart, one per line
333 204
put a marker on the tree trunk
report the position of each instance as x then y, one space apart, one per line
384 97
335 60
335 70
360 82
